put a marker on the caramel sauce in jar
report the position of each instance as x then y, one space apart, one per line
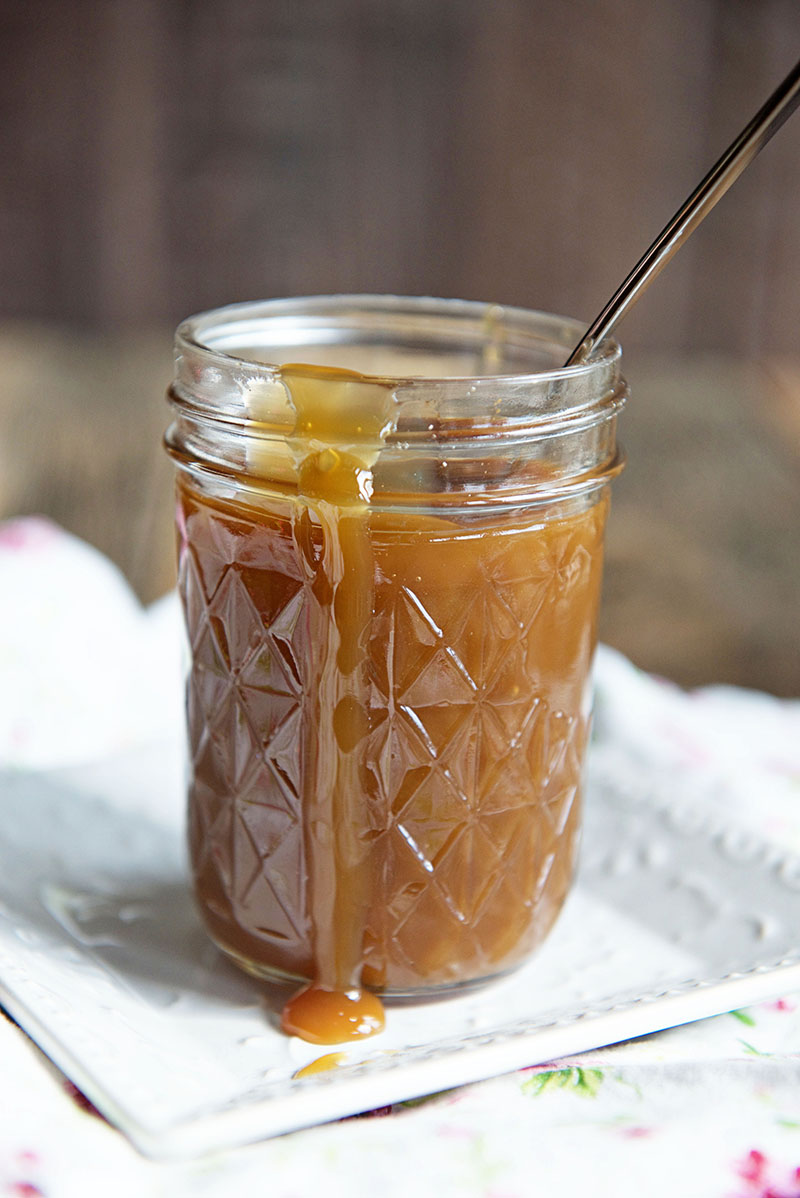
388 697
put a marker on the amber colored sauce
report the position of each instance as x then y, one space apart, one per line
330 1061
333 1016
387 718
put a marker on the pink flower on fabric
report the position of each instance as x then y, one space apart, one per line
764 1180
27 533
752 1168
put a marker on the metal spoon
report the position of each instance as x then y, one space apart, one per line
768 120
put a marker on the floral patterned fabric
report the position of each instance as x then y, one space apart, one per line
709 1110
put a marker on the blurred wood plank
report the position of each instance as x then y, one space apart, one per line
81 424
703 556
163 157
742 292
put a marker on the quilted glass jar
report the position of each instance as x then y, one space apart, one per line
390 517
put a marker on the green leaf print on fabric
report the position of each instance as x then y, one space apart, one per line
752 1051
744 1018
585 1082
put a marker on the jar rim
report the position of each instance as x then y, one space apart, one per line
211 335
494 435
491 437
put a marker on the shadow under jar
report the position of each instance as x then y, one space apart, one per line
390 517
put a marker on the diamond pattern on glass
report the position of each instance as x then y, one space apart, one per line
476 672
244 704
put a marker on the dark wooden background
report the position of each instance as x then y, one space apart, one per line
166 155
162 156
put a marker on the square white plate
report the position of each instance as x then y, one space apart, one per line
104 963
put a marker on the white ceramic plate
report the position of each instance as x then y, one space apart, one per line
104 963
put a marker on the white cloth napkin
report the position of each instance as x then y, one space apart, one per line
86 671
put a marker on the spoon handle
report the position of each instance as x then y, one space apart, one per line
768 120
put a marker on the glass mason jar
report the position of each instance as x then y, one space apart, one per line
390 517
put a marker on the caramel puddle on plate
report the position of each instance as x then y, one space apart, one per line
323 1016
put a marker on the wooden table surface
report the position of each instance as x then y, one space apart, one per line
703 560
